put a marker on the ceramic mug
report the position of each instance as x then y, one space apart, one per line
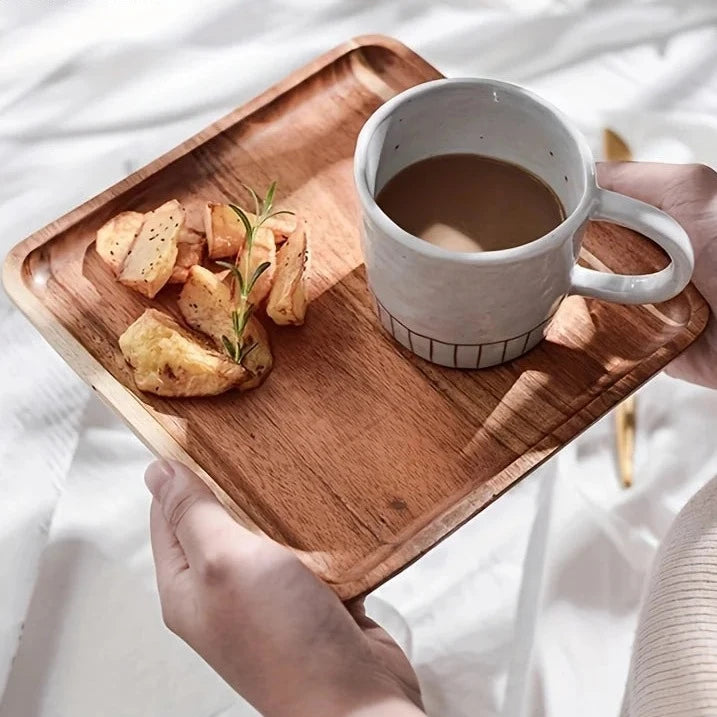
473 310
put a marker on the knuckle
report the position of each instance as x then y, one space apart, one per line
176 503
702 173
170 617
216 567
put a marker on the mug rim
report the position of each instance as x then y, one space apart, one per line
524 251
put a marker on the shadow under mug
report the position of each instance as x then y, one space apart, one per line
474 310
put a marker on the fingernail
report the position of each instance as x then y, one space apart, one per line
157 474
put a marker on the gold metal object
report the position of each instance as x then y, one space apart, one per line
625 438
615 148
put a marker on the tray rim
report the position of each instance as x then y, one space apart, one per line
142 419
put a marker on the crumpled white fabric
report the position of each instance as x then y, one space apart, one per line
527 610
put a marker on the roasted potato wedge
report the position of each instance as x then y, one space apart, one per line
150 260
288 299
194 209
205 303
168 360
115 238
226 234
191 236
282 226
187 256
263 249
260 360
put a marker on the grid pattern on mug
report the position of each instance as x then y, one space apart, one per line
459 355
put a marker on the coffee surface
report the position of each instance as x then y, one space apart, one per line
470 203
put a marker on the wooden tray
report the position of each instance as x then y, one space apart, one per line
356 454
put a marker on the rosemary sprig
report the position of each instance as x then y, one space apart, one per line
242 284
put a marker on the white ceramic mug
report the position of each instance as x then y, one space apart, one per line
473 310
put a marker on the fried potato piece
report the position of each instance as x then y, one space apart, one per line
226 233
168 360
282 226
287 299
187 256
205 303
194 214
263 249
115 237
151 258
190 236
259 361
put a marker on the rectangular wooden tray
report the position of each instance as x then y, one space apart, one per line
354 453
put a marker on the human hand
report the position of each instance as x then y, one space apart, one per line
261 619
688 192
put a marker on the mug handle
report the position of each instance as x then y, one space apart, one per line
638 288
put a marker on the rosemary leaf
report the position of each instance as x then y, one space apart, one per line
239 279
244 319
247 351
230 348
245 221
234 269
268 199
257 273
254 197
276 214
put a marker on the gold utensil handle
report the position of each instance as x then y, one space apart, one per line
625 425
616 148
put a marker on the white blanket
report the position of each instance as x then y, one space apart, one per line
527 610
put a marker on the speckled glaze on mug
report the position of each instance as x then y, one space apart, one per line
474 310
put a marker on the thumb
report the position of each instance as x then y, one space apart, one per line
646 181
191 511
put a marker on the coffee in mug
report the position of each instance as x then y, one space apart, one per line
469 202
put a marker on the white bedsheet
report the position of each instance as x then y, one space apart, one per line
527 610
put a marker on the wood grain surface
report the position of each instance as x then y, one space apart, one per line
354 453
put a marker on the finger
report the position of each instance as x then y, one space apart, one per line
357 609
647 181
697 364
169 558
201 525
387 650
